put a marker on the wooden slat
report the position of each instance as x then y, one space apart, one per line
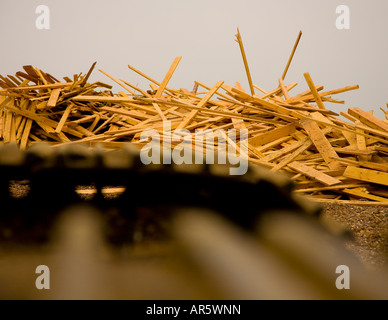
53 98
168 76
292 55
366 175
186 121
360 192
63 120
314 91
314 174
272 135
321 143
37 87
368 119
27 129
240 42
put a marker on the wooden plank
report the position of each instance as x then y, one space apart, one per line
186 121
240 43
284 89
20 129
322 94
37 87
2 122
63 137
44 120
321 143
282 152
368 119
272 135
307 144
330 188
94 123
13 129
275 91
292 55
131 113
355 152
366 164
159 111
361 192
367 175
27 129
314 174
267 104
118 82
273 144
361 143
314 91
64 118
7 126
168 76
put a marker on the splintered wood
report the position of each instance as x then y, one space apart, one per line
329 158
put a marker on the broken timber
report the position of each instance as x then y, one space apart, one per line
328 158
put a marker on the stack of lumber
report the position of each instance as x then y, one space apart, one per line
329 157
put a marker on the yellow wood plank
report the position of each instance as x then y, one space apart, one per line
2 120
366 175
44 120
131 113
168 76
7 126
284 89
272 135
366 164
304 146
355 152
64 118
27 129
321 143
330 188
292 55
273 144
275 91
314 174
186 121
94 123
240 43
368 119
266 104
361 143
159 111
361 192
115 80
321 94
314 91
44 86
13 130
20 129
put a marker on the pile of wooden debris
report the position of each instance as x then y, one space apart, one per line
328 158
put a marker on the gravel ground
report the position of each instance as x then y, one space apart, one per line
369 226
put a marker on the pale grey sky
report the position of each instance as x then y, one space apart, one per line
149 34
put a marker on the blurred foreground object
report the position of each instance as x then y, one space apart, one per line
166 232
